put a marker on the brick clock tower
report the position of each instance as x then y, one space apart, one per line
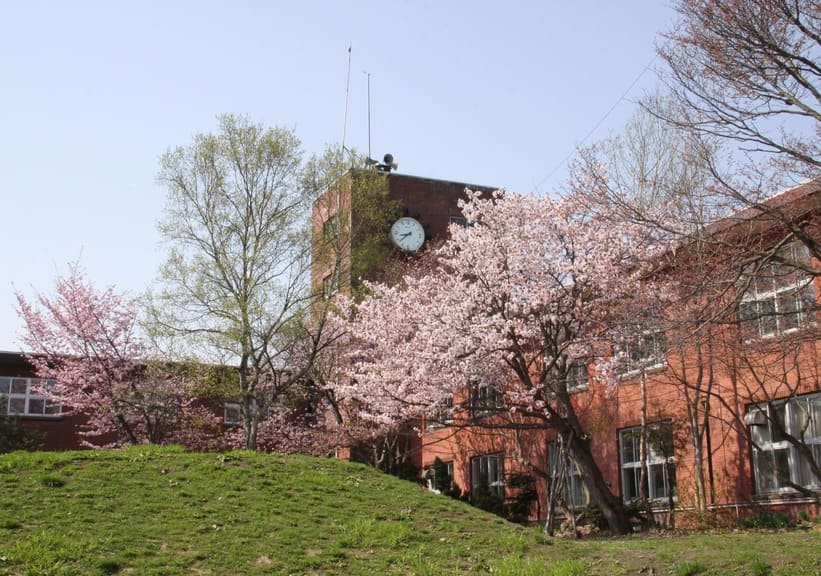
415 213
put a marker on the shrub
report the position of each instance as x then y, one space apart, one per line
14 437
488 500
518 507
768 520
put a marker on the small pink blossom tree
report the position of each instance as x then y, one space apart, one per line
85 341
531 288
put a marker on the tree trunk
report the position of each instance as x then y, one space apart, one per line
611 506
644 490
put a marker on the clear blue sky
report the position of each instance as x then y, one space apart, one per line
92 93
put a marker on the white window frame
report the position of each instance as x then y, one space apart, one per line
770 451
485 399
18 397
780 298
488 470
574 492
658 482
330 284
331 227
232 414
578 377
442 417
646 352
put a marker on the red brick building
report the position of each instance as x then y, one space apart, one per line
18 397
729 390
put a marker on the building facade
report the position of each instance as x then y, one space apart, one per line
727 422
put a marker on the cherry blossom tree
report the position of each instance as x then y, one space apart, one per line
530 289
85 341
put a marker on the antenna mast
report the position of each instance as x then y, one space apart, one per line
369 114
347 93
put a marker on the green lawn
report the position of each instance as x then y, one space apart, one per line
162 511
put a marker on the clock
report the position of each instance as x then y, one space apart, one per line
408 234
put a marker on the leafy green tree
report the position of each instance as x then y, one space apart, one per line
235 286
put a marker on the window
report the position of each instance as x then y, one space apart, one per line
330 228
330 285
661 471
439 477
18 397
233 414
459 221
487 474
646 352
485 399
776 462
441 416
574 492
577 377
780 298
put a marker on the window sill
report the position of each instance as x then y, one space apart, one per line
787 494
632 374
436 427
30 417
774 337
655 503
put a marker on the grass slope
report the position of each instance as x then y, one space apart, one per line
162 511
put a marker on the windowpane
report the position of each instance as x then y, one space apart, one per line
577 377
748 316
17 405
629 447
573 489
233 414
647 350
485 398
630 483
659 452
764 475
488 472
20 396
776 462
656 481
779 298
766 317
760 434
37 405
789 307
19 385
778 423
814 412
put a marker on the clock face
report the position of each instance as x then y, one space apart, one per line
408 234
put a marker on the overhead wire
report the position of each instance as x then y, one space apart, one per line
598 124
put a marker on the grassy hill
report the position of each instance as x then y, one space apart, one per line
161 511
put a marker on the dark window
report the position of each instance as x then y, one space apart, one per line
661 476
487 473
485 399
